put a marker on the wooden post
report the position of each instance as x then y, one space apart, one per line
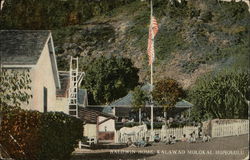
80 145
140 116
97 129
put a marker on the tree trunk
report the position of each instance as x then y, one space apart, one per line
139 115
165 118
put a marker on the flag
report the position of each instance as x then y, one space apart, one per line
153 29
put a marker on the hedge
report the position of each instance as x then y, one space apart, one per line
33 135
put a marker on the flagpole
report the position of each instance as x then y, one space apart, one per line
152 105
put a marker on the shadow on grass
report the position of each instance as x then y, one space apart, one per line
109 146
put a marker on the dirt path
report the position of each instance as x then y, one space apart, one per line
228 148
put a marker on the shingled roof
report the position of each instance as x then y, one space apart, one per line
22 47
90 116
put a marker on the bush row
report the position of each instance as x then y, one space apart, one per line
34 135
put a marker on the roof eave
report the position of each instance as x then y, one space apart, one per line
18 66
54 62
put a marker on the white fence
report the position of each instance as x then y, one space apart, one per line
217 130
177 132
123 138
230 129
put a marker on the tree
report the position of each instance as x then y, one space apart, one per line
33 135
222 95
167 92
14 88
139 100
108 79
44 14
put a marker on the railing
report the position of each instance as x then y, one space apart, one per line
230 129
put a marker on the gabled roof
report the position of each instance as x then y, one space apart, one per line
183 104
22 47
90 116
127 100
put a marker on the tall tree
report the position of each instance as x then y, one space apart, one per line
222 95
167 92
139 100
108 79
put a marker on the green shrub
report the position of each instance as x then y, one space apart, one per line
58 135
157 125
222 94
51 135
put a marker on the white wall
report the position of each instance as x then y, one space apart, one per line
42 76
89 130
109 125
61 104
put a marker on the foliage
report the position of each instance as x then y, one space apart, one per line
166 42
14 90
221 95
18 133
58 135
34 135
108 79
139 98
157 125
232 13
167 92
44 14
191 34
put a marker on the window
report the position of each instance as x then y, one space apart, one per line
45 99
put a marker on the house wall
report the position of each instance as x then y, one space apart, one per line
106 126
89 130
61 105
42 76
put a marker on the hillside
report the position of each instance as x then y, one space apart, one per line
194 37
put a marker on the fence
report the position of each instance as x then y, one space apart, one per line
178 132
164 132
230 129
123 138
235 128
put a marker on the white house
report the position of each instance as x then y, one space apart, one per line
33 51
98 125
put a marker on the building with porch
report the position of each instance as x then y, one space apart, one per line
123 110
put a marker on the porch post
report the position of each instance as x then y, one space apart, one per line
97 129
